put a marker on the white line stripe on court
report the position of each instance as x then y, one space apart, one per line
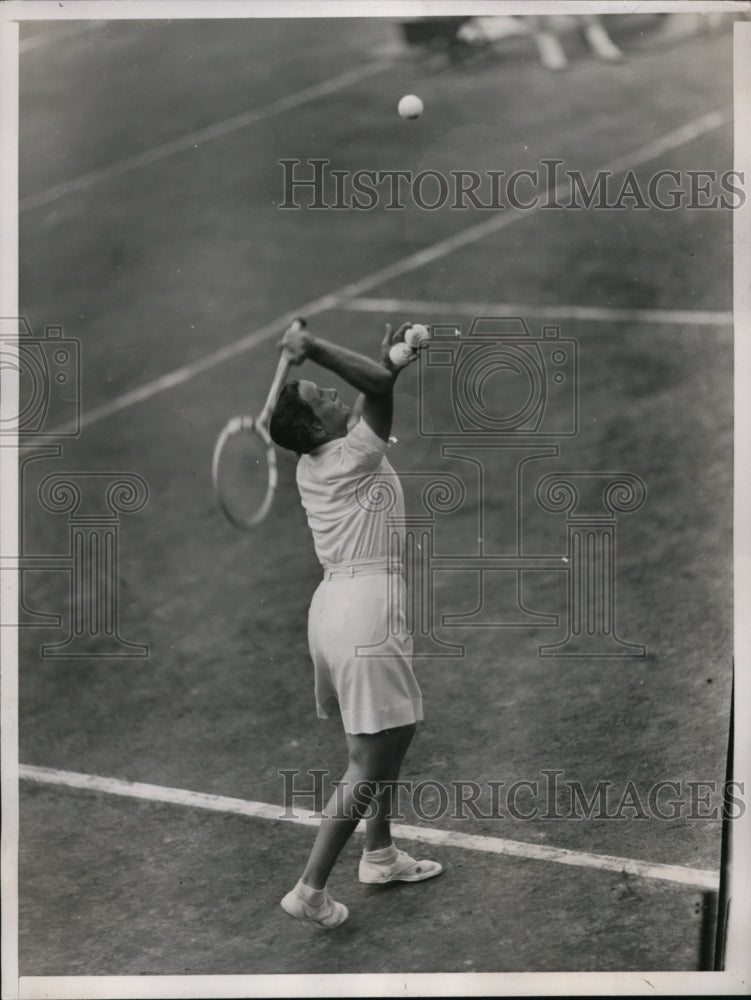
197 138
589 314
695 877
678 137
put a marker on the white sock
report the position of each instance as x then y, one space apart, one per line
383 854
314 897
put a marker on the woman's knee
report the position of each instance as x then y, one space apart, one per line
372 756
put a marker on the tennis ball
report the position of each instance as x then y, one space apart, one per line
411 106
401 355
416 335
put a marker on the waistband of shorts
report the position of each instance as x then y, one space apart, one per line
358 567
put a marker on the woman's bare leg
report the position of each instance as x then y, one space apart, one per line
378 826
372 758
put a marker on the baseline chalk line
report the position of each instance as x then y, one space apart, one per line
682 875
587 314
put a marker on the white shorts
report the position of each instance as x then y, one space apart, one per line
372 690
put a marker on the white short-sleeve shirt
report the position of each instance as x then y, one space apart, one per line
349 489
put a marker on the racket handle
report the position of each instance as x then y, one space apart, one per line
282 370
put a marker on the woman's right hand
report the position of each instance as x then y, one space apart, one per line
297 343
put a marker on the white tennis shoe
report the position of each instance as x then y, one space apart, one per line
402 868
328 915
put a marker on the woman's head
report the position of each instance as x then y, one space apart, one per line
307 416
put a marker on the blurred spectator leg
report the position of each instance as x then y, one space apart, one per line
549 47
599 40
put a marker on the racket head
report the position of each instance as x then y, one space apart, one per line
244 472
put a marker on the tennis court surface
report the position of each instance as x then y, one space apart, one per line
151 234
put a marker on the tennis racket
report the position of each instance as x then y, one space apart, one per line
243 466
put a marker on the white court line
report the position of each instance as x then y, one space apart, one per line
200 136
589 314
334 300
695 877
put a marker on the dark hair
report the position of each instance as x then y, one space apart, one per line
293 423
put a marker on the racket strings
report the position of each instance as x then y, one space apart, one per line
245 472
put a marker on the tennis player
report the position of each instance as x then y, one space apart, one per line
377 698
